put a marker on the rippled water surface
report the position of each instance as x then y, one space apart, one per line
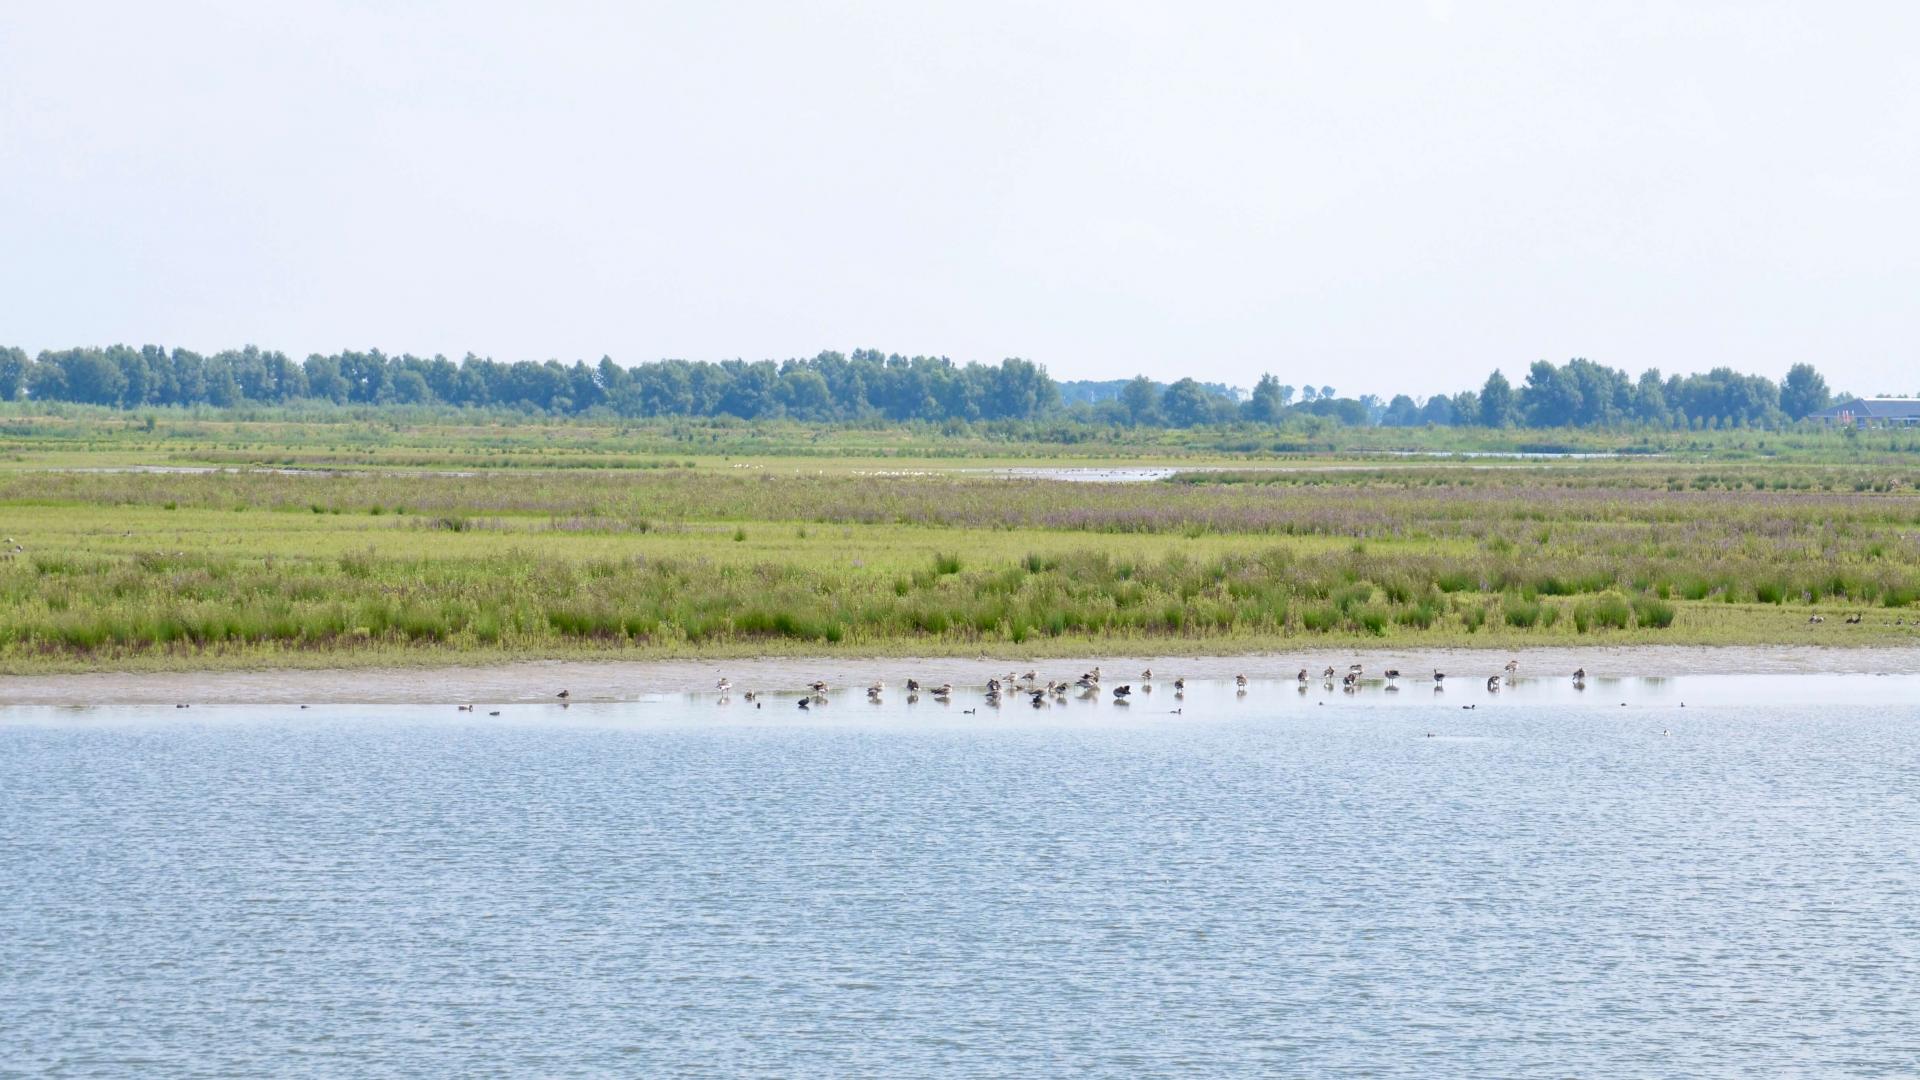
1281 883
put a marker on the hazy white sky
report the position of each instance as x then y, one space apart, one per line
1380 196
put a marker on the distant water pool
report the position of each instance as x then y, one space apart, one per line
1551 883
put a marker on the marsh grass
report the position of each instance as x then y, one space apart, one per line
123 568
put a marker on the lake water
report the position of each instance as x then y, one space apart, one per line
1381 884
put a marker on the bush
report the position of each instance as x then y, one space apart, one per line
1652 612
1608 611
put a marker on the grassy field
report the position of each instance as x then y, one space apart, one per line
438 542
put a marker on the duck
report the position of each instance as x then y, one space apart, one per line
462 708
803 703
1122 691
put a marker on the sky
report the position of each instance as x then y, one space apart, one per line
1379 196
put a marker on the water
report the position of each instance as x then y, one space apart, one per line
1550 884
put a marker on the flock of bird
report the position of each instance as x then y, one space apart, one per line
1089 686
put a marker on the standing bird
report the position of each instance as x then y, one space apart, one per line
1303 676
1493 683
723 685
1240 681
1580 675
1513 668
1180 684
1391 673
1439 676
564 694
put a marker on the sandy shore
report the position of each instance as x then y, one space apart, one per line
624 680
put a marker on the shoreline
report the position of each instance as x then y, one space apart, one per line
532 681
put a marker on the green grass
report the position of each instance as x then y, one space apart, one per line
451 542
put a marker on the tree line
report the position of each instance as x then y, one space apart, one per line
867 385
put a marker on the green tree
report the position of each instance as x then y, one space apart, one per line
1138 400
1186 404
1803 392
1268 403
1496 401
13 373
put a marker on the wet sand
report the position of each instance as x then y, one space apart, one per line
603 680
